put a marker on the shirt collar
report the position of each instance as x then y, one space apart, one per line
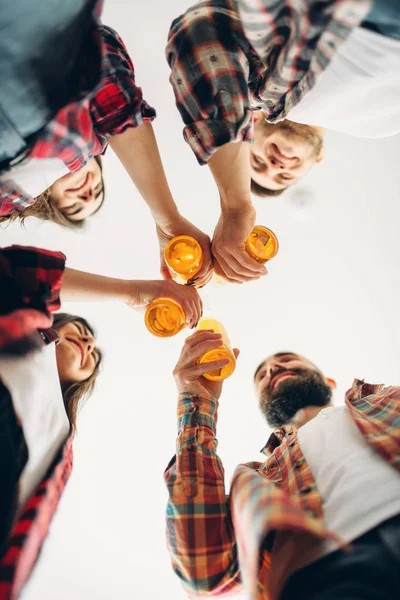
276 438
358 390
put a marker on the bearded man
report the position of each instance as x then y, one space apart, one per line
319 519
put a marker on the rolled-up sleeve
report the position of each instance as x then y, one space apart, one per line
118 102
208 56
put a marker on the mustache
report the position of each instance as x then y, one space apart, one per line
280 371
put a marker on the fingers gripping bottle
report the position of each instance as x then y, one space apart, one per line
262 244
164 317
225 351
184 257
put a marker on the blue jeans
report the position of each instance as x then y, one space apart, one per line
384 18
43 45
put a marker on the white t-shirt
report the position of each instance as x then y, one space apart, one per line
359 92
34 176
358 487
35 390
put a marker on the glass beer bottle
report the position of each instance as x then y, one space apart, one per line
165 317
225 351
184 257
262 244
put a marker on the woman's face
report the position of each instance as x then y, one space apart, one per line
78 195
76 354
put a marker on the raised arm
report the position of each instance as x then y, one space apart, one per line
199 528
123 118
209 59
79 286
137 150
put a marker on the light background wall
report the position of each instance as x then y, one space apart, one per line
332 294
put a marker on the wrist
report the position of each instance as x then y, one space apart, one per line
168 217
197 409
231 204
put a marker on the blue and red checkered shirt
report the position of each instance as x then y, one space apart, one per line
80 130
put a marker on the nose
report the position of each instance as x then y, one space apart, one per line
87 194
89 342
272 367
275 164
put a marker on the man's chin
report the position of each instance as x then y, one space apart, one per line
280 405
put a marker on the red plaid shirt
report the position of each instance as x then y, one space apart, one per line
228 58
80 130
30 281
257 536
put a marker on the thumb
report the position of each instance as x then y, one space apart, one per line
236 352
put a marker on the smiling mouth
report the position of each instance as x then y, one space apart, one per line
80 347
79 188
279 377
281 156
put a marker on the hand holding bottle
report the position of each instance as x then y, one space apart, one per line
231 261
181 226
189 371
139 294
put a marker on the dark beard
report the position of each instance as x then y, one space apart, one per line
307 389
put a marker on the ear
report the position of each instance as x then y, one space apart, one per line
331 383
321 155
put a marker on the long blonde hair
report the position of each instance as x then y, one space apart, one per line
75 393
44 209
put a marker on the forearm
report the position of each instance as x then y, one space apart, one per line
137 150
197 501
230 167
78 286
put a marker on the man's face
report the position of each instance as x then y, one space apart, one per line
283 153
287 382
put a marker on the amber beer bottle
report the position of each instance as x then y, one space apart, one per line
165 317
225 351
184 257
262 244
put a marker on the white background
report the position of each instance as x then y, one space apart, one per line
332 294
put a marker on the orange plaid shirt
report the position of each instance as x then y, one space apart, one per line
256 537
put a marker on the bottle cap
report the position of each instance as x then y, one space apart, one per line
164 317
184 256
262 244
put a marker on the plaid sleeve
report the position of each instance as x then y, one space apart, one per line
207 53
12 201
199 528
30 282
118 102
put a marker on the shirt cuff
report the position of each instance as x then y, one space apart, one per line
30 279
205 137
197 410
